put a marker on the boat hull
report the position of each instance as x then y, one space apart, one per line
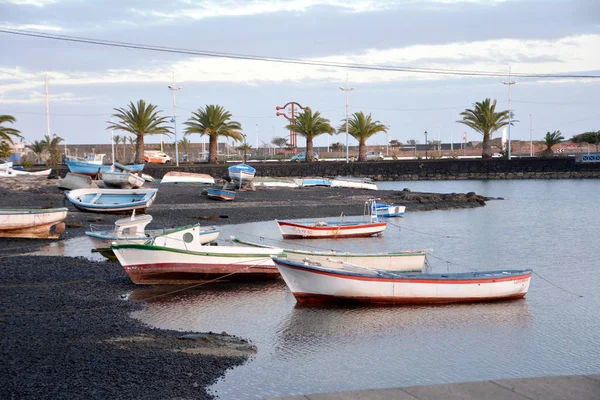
102 240
218 194
162 265
313 285
187 177
290 230
111 200
32 224
241 172
122 180
93 169
389 211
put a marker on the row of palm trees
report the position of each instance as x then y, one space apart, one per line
141 119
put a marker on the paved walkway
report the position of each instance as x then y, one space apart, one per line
579 387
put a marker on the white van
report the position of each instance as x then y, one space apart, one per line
374 156
156 157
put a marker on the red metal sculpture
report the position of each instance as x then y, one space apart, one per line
293 105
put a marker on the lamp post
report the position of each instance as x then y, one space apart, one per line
174 89
346 89
509 83
426 145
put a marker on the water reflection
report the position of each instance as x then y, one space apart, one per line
80 246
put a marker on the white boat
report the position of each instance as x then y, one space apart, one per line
307 182
76 181
241 172
9 172
178 258
187 177
119 176
275 182
389 210
404 261
111 200
32 223
133 230
354 183
312 283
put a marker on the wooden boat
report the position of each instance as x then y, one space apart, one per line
389 210
241 172
187 177
9 172
329 230
404 261
179 258
220 194
111 200
306 182
76 181
314 284
354 183
92 165
32 223
133 230
119 176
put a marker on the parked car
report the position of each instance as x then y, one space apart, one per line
156 157
302 157
374 156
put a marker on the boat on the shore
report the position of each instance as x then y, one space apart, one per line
187 177
353 182
307 182
403 261
220 194
76 181
133 230
121 177
275 182
44 223
9 172
389 210
179 258
241 172
111 200
93 165
312 283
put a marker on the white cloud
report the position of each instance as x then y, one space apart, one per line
36 3
568 55
33 27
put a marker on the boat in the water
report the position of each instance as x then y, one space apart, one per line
133 230
187 177
241 172
111 200
353 182
220 194
389 210
121 177
44 223
312 283
403 261
179 258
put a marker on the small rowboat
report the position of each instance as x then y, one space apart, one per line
312 283
353 183
404 261
220 194
187 177
329 230
389 211
111 200
44 223
119 176
241 172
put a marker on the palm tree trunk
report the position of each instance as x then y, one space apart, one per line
213 149
310 157
487 146
139 149
362 151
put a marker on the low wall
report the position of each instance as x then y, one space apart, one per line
401 170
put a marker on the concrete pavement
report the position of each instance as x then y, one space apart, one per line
578 387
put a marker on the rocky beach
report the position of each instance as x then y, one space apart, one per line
65 324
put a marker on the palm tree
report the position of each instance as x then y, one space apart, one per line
361 128
184 145
213 121
484 119
6 133
124 142
244 147
550 140
310 126
51 144
117 140
140 120
38 148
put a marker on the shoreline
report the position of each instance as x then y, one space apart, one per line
66 324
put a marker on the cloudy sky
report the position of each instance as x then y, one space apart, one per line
401 57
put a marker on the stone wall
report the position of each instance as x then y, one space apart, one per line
557 168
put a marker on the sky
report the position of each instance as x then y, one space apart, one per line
400 58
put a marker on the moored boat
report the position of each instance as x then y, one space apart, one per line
111 200
312 283
404 261
389 210
45 223
178 258
329 230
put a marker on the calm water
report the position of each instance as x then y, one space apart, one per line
549 226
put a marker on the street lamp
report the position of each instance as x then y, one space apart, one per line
346 89
509 83
426 145
174 89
